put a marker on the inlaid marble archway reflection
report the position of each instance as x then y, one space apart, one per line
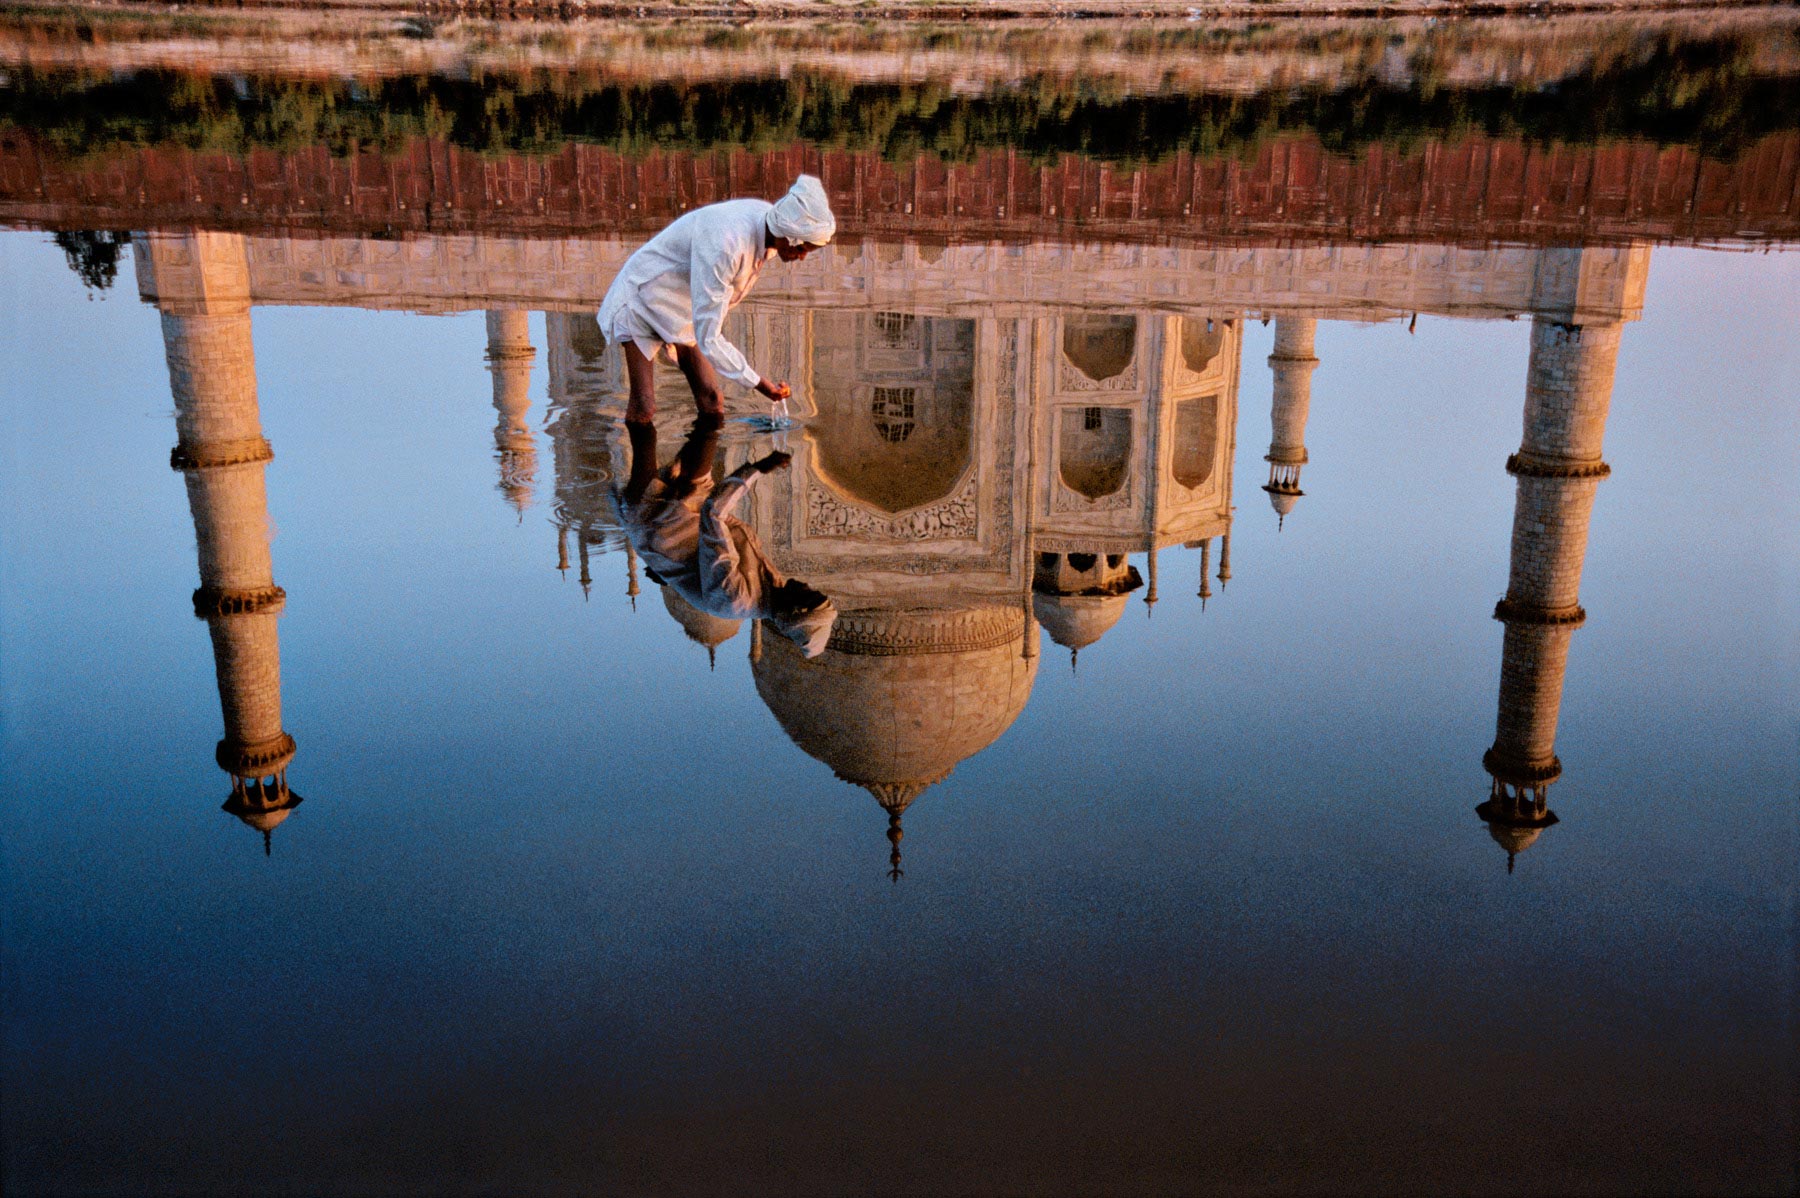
972 472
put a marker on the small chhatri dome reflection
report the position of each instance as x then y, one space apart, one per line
1078 597
901 697
262 803
701 627
1516 817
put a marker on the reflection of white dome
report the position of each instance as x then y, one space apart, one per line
1077 621
902 696
700 627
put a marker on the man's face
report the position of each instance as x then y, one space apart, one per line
792 251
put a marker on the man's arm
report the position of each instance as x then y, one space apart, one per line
711 270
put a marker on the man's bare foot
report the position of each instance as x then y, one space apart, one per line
775 461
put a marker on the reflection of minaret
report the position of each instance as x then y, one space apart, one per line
1558 468
221 451
1293 364
582 429
509 356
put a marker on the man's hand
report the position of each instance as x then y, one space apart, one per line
774 391
775 461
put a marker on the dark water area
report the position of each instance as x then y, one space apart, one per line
1312 706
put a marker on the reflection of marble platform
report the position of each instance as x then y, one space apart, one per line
1359 282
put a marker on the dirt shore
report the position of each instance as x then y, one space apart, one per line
1227 55
911 10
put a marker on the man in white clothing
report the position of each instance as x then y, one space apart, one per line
690 538
673 293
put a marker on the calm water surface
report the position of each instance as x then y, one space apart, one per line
1126 838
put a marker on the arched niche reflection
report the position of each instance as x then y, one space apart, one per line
1196 440
1094 450
895 395
1099 345
1201 341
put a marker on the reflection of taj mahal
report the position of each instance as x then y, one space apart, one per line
958 482
978 459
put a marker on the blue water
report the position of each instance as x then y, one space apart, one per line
565 911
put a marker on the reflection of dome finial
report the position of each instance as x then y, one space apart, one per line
562 549
712 659
1150 595
894 798
894 834
1509 855
1073 654
631 575
268 848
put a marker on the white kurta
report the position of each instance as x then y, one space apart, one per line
698 545
679 285
699 548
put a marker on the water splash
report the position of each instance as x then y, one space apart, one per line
768 424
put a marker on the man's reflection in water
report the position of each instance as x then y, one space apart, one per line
687 535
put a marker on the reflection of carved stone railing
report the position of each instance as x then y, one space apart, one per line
1521 773
257 760
955 518
210 601
221 453
1534 467
1524 613
883 632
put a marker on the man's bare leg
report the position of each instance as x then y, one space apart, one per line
641 371
642 434
708 398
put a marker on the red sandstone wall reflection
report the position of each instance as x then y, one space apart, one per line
1474 190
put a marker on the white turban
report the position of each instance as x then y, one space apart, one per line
804 213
